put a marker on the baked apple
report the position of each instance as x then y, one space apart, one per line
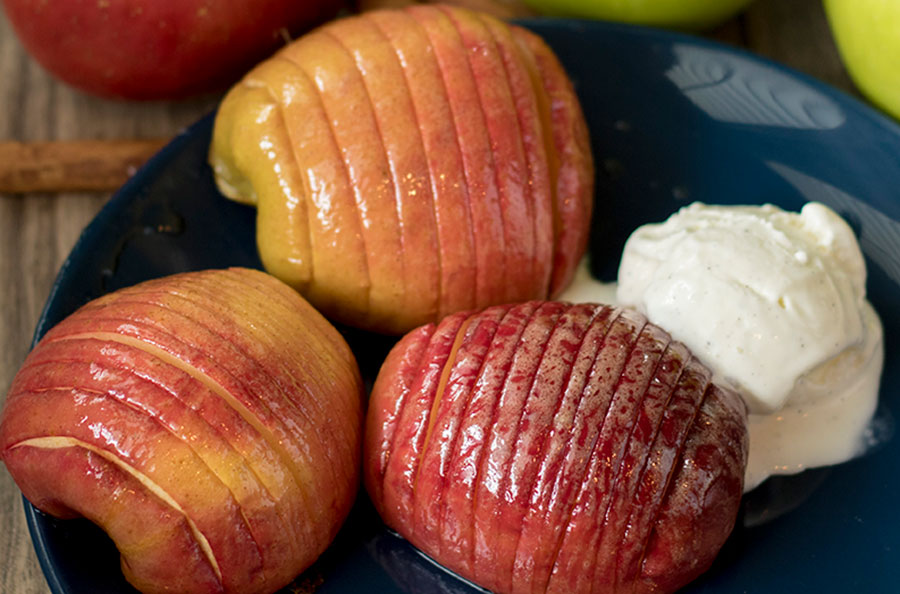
408 164
548 447
210 422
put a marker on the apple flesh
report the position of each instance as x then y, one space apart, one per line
408 164
548 447
210 422
158 49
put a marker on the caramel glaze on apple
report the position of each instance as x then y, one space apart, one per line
210 422
408 164
548 447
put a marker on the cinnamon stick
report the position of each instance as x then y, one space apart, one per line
73 165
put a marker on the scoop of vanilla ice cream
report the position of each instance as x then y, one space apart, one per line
765 295
775 303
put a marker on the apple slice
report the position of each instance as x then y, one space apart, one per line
678 416
175 399
510 166
501 439
148 532
353 125
217 359
710 470
532 108
475 146
636 459
574 177
542 447
310 238
453 394
561 492
399 373
409 435
538 525
385 82
463 474
543 404
574 560
433 114
124 437
263 111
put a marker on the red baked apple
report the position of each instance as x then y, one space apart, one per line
158 49
408 164
210 422
548 447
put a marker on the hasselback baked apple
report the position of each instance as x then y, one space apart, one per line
407 164
548 447
210 422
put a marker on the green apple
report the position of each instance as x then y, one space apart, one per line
867 33
681 14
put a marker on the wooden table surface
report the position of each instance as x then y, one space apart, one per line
38 230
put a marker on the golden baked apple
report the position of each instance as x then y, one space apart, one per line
407 164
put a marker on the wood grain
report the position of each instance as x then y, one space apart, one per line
37 233
796 33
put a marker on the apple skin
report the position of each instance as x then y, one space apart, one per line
867 33
549 447
157 49
408 164
210 422
681 14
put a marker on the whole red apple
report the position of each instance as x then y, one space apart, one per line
158 49
548 447
408 164
210 422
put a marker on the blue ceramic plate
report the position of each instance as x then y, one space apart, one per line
673 119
